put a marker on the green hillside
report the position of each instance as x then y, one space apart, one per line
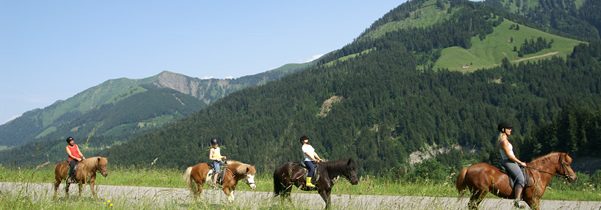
490 51
422 15
578 19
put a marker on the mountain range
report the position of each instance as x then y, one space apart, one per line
120 108
429 74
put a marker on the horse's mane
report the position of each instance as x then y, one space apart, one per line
92 162
237 166
337 163
545 158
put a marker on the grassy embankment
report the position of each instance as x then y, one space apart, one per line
368 185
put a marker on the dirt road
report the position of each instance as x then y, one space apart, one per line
260 200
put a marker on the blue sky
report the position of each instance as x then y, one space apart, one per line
52 50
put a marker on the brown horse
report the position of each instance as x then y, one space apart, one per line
292 173
234 171
481 178
85 173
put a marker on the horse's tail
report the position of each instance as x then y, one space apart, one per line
188 178
460 183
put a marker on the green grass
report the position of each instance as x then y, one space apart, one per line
368 185
345 58
493 48
423 17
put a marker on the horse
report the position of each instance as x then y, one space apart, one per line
195 176
481 178
85 173
291 173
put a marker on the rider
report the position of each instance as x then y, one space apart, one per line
74 156
510 161
310 157
217 158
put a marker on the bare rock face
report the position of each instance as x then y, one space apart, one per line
178 82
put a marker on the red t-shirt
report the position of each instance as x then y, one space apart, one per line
74 151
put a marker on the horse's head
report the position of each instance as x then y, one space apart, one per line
351 171
250 176
102 162
565 167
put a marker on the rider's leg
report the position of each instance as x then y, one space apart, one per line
72 164
216 172
311 173
516 172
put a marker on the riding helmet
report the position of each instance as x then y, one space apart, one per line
69 139
303 138
503 125
214 141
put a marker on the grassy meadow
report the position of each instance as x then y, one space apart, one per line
423 17
369 185
494 47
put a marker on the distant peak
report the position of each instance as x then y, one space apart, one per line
164 73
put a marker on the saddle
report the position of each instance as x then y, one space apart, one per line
219 173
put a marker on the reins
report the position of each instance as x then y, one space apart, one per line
563 166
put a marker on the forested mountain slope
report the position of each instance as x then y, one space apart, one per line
385 101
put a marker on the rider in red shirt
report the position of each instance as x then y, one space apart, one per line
74 156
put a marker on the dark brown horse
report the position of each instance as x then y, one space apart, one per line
195 176
85 173
292 173
481 178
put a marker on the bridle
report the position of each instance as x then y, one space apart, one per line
563 168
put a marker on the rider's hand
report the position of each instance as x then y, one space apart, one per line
523 164
223 157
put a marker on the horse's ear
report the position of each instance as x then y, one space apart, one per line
350 161
247 169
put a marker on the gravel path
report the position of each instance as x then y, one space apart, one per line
259 200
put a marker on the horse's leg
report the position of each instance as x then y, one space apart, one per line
229 193
476 198
80 186
198 190
92 182
57 183
67 189
534 203
325 195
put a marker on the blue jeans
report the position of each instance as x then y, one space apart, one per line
311 166
216 166
516 172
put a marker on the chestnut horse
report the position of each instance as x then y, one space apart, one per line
85 173
292 173
234 171
481 178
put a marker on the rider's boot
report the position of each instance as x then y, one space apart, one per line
309 184
518 197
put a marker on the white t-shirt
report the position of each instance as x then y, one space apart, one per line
308 149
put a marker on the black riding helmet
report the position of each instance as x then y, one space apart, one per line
214 141
303 138
503 125
69 139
